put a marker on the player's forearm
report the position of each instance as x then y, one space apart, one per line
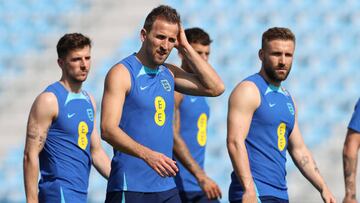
123 142
31 173
204 71
239 158
101 162
349 165
307 166
183 154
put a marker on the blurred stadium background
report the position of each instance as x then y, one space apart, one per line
324 79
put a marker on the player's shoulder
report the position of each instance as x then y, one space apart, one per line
45 104
246 87
118 78
46 98
118 73
245 92
118 69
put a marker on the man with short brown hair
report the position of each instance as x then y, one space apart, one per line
262 125
137 110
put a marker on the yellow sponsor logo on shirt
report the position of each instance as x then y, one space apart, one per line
281 136
83 129
160 115
202 125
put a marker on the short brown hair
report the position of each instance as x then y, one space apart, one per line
71 41
197 35
163 12
277 33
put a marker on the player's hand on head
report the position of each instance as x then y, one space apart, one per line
210 188
181 39
162 164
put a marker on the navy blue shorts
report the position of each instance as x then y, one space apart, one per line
267 199
195 197
169 196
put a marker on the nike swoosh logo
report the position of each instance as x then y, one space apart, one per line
143 88
70 115
272 105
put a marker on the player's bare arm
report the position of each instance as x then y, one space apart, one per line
306 164
350 156
243 102
210 188
43 111
100 159
117 85
205 81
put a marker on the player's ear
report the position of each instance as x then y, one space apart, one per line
261 54
143 33
60 62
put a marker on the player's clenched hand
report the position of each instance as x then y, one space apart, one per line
162 164
210 188
327 196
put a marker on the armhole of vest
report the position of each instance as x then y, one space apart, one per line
260 93
171 76
295 109
91 102
132 81
58 105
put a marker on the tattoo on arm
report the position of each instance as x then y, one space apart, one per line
35 135
304 161
315 167
32 131
42 138
349 171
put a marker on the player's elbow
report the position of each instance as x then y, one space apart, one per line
105 132
349 150
29 158
232 145
351 147
218 90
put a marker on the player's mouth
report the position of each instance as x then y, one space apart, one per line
281 71
162 53
84 74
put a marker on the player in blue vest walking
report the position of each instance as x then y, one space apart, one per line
190 134
62 141
137 110
262 125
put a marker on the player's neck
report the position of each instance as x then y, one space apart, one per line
268 79
144 59
71 86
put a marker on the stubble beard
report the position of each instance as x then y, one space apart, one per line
272 75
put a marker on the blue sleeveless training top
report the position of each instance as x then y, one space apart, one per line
355 119
267 141
65 160
194 115
146 118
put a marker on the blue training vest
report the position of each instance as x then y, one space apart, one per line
194 115
147 118
355 119
65 160
267 141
